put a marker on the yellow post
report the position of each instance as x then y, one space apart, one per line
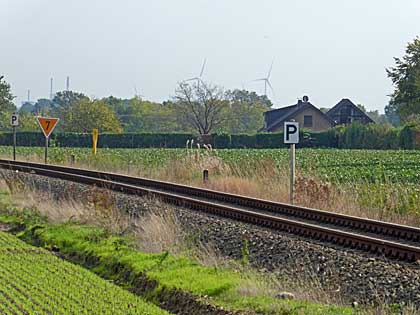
95 135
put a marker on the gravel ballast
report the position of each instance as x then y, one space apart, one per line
352 275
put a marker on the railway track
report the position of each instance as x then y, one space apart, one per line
391 240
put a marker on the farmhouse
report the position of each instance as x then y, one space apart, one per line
306 114
345 112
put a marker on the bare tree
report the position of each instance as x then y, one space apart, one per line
201 105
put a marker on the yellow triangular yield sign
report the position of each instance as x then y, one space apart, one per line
47 125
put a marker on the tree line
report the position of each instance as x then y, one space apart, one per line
197 107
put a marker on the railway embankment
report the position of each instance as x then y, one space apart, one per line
351 275
179 284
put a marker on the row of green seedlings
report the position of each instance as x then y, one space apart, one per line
39 283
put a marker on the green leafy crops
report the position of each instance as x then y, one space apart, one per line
338 165
33 281
330 164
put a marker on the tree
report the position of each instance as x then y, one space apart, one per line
63 100
245 113
201 105
6 104
374 115
146 116
362 108
43 106
28 122
378 118
6 97
118 105
27 107
391 115
244 117
85 115
248 97
405 75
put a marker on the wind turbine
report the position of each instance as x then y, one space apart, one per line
267 80
198 79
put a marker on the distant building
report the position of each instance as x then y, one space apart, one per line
306 114
346 112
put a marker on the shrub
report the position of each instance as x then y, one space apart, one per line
408 136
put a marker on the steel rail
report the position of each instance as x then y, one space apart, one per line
116 182
392 230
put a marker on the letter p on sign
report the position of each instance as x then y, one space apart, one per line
14 120
291 132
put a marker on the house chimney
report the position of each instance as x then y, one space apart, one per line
299 103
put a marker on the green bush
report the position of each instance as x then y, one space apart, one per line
408 136
243 141
222 141
270 140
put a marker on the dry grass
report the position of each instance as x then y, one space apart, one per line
263 179
388 202
303 288
159 231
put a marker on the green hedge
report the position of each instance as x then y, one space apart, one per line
127 140
354 136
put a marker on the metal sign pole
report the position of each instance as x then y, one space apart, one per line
292 173
291 136
14 121
46 149
14 143
47 125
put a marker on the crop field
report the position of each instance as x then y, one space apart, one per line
327 164
32 281
379 184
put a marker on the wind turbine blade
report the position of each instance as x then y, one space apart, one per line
263 79
202 68
191 79
271 87
271 68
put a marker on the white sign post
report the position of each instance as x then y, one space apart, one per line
14 121
291 136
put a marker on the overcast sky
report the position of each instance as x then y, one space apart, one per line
327 49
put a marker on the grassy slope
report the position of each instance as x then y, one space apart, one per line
220 285
170 272
33 281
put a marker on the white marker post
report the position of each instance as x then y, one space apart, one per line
14 121
291 136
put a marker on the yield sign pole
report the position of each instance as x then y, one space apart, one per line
47 126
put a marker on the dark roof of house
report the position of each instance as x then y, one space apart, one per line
347 102
288 112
